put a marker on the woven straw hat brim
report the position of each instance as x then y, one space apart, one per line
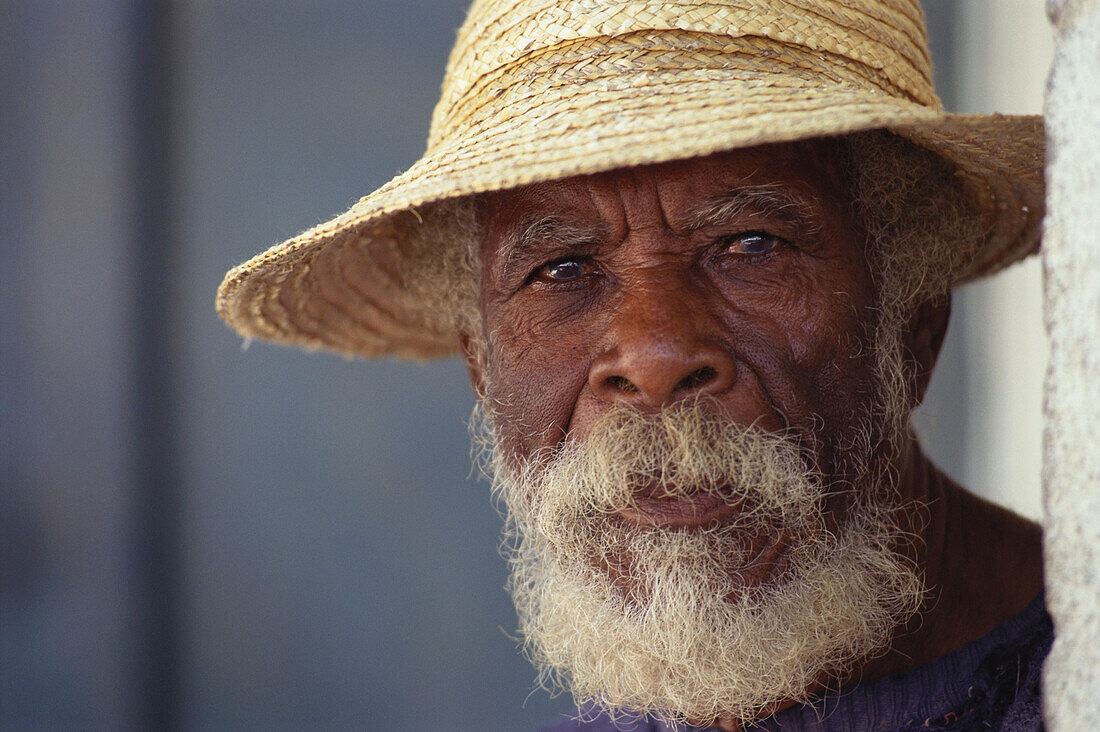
341 286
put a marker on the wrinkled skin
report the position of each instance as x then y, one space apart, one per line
780 331
616 289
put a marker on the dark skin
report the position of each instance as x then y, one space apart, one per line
742 278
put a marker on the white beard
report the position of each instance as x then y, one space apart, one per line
657 621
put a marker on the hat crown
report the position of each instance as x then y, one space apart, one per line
882 42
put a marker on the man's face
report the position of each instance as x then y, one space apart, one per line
740 278
680 376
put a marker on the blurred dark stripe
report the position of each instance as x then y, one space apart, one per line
14 203
157 482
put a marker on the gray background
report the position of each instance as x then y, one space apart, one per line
303 545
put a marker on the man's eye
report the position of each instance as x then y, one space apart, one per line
563 270
750 243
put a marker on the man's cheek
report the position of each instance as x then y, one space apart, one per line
533 398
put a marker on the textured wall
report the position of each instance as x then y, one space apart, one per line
1071 465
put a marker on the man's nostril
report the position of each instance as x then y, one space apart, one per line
620 384
696 378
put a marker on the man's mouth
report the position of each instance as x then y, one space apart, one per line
659 507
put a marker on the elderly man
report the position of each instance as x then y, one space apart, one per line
698 258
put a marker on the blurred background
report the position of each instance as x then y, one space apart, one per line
198 535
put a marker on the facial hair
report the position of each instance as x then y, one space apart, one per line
682 623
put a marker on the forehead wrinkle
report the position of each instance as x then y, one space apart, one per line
768 199
535 236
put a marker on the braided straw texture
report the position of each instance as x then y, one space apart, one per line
538 90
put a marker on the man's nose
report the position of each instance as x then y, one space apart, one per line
658 353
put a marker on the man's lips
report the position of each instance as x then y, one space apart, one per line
685 509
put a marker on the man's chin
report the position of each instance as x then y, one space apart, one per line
739 560
695 638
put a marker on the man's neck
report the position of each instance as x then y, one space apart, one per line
982 565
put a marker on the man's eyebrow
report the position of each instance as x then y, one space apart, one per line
535 238
769 200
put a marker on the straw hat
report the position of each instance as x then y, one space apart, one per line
537 90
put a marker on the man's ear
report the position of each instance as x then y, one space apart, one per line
473 352
924 338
